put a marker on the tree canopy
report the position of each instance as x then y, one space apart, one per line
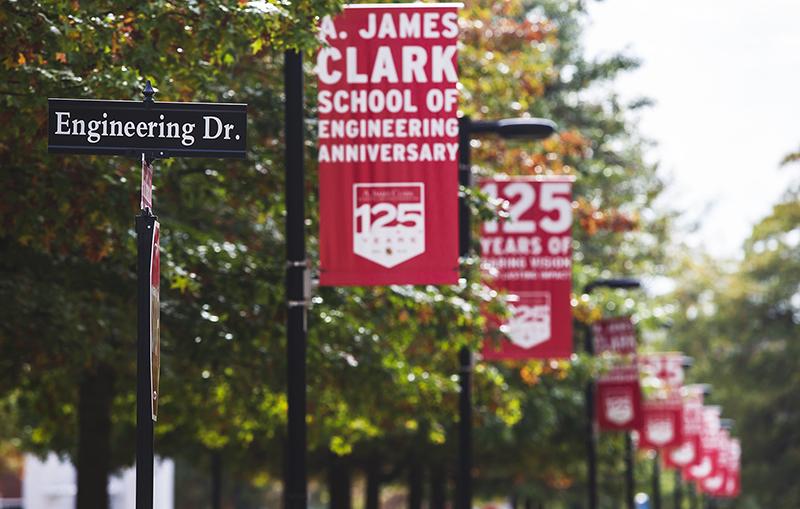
382 361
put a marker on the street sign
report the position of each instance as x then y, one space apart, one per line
155 319
147 184
160 129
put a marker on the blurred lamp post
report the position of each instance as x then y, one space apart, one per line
591 438
514 128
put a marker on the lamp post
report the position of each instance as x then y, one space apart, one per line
656 481
687 363
510 128
295 475
591 438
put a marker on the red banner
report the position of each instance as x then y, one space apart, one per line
614 335
688 452
662 424
716 484
618 394
529 255
388 145
709 447
667 367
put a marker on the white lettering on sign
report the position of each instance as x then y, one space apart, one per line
376 68
95 130
415 65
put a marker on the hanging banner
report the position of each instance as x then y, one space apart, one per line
618 398
709 446
667 367
388 145
662 424
688 452
618 393
732 486
715 483
529 256
614 335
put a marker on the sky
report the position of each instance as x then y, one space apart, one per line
725 76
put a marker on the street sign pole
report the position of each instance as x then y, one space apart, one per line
145 230
295 489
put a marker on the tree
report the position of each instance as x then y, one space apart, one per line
67 243
740 321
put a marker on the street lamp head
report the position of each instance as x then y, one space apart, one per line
526 128
623 283
514 128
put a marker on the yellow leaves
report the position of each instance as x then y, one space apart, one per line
339 446
437 434
584 312
511 413
256 45
21 59
530 374
212 438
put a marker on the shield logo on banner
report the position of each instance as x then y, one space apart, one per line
529 324
660 430
389 222
713 483
685 454
619 408
702 470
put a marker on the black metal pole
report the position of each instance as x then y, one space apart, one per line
692 496
295 489
145 223
591 437
216 480
629 464
145 229
464 479
656 482
678 491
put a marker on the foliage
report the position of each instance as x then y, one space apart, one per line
382 361
740 321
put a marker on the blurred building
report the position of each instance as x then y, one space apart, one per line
51 484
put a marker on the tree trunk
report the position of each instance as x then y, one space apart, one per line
216 480
438 487
528 503
95 395
372 495
414 484
339 482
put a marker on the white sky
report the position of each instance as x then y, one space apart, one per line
725 75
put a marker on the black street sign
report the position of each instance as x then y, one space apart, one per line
160 129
